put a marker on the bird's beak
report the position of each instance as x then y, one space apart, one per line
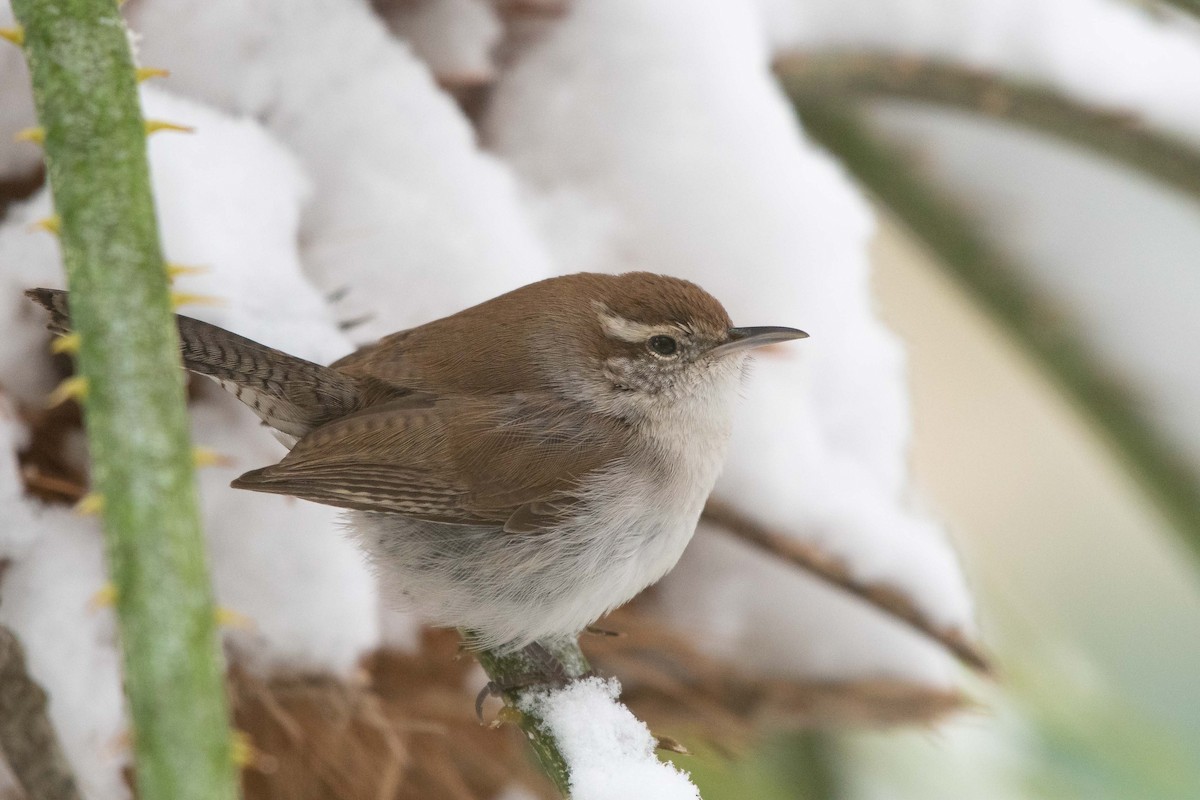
745 338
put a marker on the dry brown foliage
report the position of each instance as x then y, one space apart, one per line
409 731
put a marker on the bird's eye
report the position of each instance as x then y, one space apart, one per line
663 345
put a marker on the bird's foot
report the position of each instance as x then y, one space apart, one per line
545 671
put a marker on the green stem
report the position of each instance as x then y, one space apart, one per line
86 96
509 669
1187 6
996 285
825 77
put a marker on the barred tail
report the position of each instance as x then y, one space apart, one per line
289 394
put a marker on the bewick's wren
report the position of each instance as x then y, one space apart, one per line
516 469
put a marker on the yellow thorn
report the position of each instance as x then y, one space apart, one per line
67 343
245 754
73 388
37 135
146 73
671 745
51 224
178 270
184 299
156 125
90 504
204 457
105 598
15 34
243 749
228 618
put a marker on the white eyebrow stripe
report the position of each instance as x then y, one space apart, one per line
627 330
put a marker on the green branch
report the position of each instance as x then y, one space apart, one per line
995 284
511 669
1186 6
825 77
86 97
514 669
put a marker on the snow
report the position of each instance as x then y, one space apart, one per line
610 754
679 141
26 260
229 201
46 598
16 112
764 617
17 529
283 563
55 568
229 198
407 216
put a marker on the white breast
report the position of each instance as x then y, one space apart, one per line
516 589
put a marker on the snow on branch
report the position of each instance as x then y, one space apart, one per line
589 745
811 558
609 753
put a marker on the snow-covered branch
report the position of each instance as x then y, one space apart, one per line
609 754
887 599
589 745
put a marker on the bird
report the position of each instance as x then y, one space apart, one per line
517 469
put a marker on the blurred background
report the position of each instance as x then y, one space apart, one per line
1037 252
1014 183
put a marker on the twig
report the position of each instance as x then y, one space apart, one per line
511 668
670 681
835 572
36 480
1118 135
15 188
27 738
996 284
132 392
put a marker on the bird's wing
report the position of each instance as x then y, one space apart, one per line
516 462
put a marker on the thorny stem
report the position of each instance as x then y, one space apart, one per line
86 97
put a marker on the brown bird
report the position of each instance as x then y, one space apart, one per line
516 469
